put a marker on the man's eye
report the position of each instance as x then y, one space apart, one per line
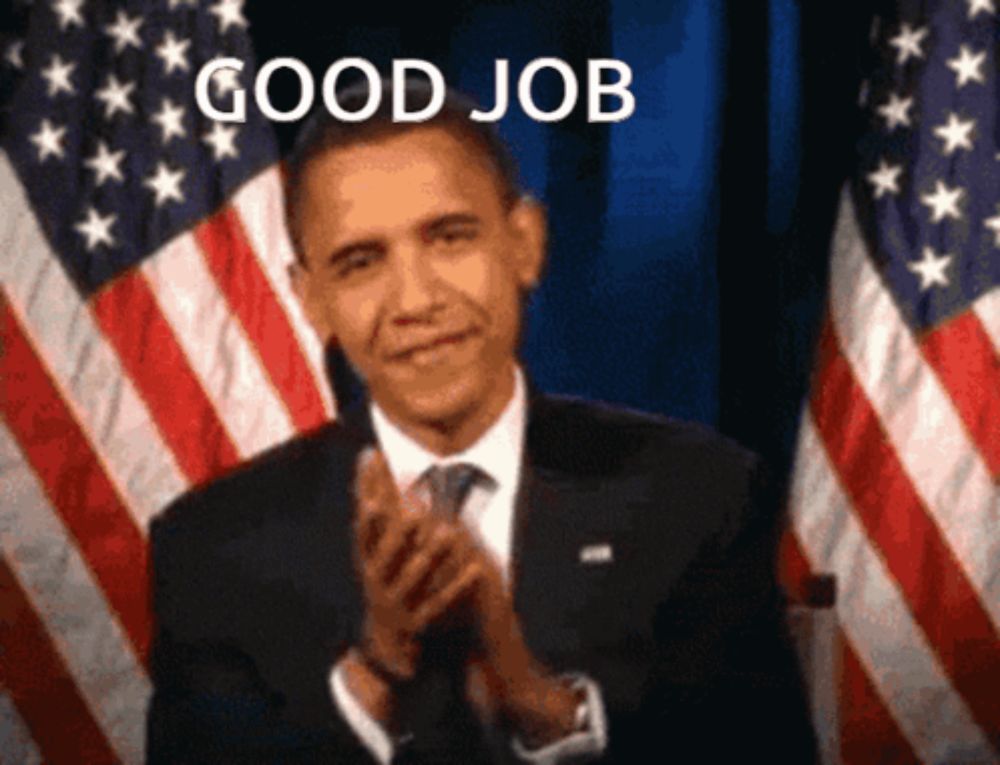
355 263
452 237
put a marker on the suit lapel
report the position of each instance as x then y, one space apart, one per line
548 499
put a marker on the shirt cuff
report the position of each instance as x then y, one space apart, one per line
589 742
376 740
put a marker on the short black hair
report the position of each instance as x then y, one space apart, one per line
322 132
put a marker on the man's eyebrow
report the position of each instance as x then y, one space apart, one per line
435 225
427 230
348 249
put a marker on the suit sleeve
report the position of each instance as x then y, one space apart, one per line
723 683
210 702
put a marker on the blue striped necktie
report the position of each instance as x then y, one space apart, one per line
450 486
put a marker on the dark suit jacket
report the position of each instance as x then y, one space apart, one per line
255 597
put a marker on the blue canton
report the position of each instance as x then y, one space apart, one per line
928 191
102 128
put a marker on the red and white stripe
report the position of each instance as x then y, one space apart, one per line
113 406
259 205
943 464
62 590
15 740
896 492
192 304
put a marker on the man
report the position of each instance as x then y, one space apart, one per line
462 570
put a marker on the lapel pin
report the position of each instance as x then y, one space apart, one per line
601 553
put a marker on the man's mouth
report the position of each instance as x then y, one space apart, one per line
434 350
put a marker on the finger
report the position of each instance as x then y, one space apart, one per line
441 601
415 499
368 523
377 490
403 534
371 477
370 526
366 467
459 553
426 564
373 490
370 530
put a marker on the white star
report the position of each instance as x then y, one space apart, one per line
978 6
907 43
14 55
169 118
68 12
106 164
57 76
173 53
125 31
994 225
115 95
966 66
225 81
228 12
896 111
165 184
96 229
955 133
49 139
930 268
943 202
222 139
885 179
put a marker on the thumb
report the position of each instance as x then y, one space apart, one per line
372 480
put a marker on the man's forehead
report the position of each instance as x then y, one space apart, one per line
424 162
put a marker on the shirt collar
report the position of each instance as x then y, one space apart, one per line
497 452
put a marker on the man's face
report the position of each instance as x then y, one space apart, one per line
415 264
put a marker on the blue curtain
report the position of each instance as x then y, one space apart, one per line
628 311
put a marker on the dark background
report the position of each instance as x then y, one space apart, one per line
688 244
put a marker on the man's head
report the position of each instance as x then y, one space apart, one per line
414 251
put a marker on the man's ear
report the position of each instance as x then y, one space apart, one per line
528 220
301 279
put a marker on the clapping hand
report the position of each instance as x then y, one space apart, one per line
415 566
504 681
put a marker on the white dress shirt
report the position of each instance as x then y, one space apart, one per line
488 510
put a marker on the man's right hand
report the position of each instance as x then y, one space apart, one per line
414 567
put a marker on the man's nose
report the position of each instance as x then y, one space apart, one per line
416 290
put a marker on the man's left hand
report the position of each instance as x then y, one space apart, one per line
504 680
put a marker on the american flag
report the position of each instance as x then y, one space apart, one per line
150 340
896 488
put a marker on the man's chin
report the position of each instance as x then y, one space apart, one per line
429 398
442 402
